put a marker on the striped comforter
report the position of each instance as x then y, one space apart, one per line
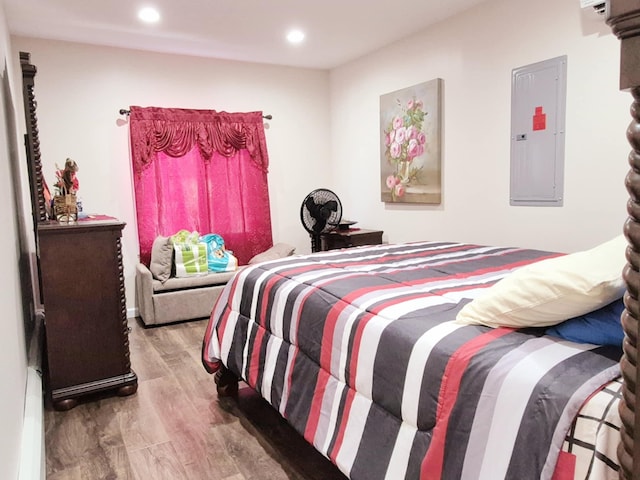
358 351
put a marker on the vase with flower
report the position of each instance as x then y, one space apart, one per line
404 141
65 204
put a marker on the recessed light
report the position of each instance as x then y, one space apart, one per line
149 15
295 36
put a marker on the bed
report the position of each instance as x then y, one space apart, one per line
363 352
351 394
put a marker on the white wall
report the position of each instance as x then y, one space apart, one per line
474 53
325 126
13 358
81 88
325 133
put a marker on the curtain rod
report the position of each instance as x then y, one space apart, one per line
124 111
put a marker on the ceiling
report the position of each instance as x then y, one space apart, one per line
337 31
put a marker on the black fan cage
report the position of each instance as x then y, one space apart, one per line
321 211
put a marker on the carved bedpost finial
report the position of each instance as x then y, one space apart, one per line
28 70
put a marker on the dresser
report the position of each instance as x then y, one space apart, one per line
349 238
86 332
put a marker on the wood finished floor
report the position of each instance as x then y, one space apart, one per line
175 427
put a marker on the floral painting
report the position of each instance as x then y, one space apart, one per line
410 151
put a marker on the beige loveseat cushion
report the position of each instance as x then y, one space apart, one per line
195 281
161 258
279 250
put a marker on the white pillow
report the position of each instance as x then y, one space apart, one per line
551 291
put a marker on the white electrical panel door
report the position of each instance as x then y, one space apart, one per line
538 102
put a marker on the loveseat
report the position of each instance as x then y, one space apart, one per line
162 298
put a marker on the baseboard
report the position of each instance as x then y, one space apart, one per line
32 457
132 312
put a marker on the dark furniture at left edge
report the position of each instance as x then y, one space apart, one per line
87 346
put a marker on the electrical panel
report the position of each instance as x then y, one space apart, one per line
538 103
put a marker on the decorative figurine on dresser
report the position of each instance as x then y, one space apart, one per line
81 279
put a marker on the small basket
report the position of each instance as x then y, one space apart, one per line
65 208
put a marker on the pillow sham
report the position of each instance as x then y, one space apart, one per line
279 250
600 327
550 291
161 258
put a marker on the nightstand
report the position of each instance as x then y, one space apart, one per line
349 238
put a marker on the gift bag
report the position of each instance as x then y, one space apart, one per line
190 255
219 259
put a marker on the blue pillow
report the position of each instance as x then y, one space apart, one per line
600 327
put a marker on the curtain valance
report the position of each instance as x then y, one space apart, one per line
175 131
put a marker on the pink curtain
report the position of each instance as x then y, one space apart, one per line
201 170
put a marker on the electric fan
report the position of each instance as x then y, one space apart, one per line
321 212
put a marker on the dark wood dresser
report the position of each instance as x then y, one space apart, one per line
87 337
349 238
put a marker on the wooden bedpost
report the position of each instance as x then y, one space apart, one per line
623 16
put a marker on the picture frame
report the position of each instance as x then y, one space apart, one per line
410 144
